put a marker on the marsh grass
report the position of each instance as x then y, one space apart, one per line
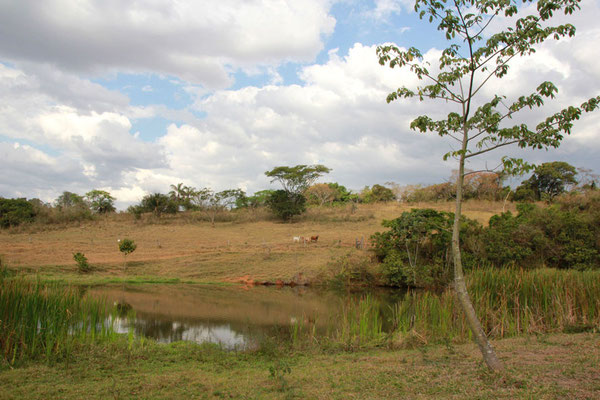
47 320
509 302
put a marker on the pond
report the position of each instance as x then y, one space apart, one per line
236 317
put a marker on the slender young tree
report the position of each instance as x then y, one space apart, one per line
474 58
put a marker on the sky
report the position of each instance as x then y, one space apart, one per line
132 97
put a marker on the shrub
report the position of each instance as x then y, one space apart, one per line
14 212
416 250
82 262
559 236
286 205
127 246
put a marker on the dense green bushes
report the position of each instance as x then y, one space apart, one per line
14 212
416 249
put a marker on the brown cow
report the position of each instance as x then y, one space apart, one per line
313 239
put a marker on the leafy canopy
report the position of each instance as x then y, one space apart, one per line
297 179
551 179
100 201
474 58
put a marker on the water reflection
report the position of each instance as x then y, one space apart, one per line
235 317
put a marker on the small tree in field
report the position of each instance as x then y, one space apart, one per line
474 58
126 246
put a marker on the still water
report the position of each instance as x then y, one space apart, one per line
236 317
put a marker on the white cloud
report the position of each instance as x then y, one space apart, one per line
196 41
76 135
385 8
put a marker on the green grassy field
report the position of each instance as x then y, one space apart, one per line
531 309
537 367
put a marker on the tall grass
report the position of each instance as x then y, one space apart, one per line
47 320
360 323
509 302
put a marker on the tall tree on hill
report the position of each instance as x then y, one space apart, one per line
551 179
101 202
295 181
475 57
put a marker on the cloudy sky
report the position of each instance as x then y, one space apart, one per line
131 97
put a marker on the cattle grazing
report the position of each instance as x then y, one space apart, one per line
313 239
297 239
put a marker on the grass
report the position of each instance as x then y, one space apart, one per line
509 302
189 249
42 320
543 367
355 360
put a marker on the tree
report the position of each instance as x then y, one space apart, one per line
474 58
295 181
101 202
15 211
551 179
286 205
320 193
182 195
377 194
342 194
70 200
158 204
212 203
126 246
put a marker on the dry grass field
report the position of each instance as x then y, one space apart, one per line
185 248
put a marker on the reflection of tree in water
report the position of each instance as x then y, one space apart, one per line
159 329
267 313
169 330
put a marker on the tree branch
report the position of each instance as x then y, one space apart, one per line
491 148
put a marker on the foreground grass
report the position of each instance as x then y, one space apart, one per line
537 367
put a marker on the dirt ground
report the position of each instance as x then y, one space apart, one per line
183 247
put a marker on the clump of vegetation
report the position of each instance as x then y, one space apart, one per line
126 247
351 269
47 320
82 262
416 250
376 194
295 182
277 373
14 212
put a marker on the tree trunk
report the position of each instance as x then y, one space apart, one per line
489 356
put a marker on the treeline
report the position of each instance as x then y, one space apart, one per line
416 250
68 207
299 191
547 181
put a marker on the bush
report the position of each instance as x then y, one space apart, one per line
416 250
127 246
560 236
353 268
286 205
14 212
82 262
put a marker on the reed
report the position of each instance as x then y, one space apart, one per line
509 302
48 320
